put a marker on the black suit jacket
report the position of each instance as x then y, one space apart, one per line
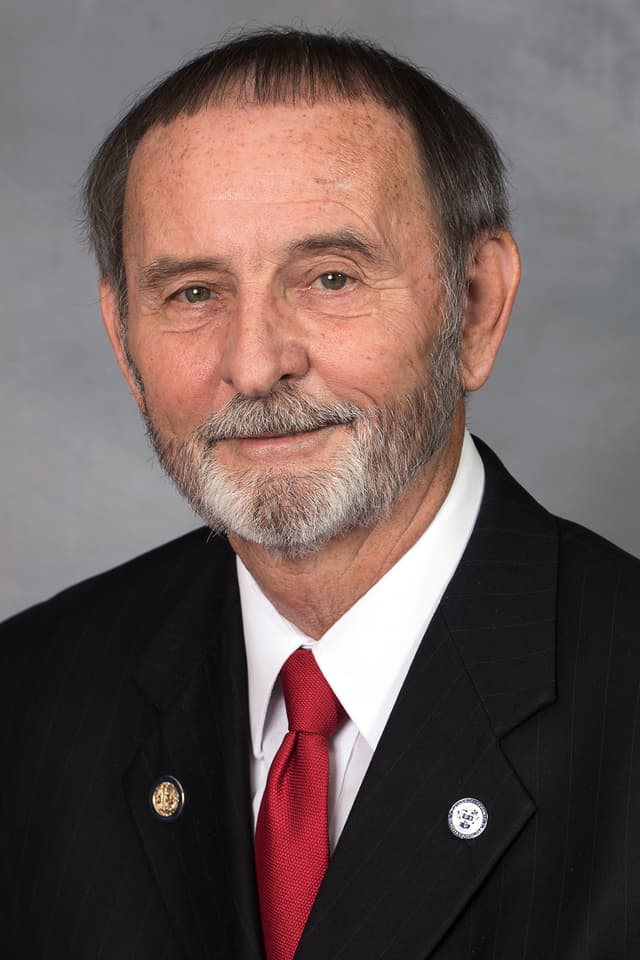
524 694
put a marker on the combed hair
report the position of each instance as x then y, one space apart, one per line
462 166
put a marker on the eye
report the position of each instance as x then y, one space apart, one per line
333 280
196 293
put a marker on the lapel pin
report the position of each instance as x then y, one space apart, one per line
468 818
167 798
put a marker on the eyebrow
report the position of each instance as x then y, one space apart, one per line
158 272
346 240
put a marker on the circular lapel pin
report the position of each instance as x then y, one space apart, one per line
468 818
167 798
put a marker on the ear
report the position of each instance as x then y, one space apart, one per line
493 282
110 311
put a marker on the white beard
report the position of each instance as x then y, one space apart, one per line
294 511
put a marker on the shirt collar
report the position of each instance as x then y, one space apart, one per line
366 654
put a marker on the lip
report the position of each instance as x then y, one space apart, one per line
277 446
277 439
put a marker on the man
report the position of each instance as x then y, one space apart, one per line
305 263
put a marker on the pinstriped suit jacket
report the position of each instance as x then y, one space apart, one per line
524 694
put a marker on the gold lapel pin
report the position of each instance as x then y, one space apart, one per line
167 798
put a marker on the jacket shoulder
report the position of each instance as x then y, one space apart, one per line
598 586
146 584
591 552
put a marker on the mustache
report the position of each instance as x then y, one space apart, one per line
283 412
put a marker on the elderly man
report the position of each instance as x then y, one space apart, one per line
391 712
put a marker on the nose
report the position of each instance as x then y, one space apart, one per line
261 347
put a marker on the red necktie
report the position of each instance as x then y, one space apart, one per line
292 835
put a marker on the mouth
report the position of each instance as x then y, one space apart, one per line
267 435
278 438
275 435
264 444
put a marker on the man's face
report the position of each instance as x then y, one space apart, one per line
285 316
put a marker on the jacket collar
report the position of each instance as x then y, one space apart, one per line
500 606
204 597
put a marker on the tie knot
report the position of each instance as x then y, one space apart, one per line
312 706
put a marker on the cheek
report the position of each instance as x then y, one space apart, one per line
375 360
374 372
181 383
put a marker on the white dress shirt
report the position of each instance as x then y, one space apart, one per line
366 654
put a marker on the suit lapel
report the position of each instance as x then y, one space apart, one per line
501 603
194 673
399 878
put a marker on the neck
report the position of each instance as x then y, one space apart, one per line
314 591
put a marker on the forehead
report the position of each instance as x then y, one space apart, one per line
269 157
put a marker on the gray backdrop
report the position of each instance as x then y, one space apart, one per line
558 80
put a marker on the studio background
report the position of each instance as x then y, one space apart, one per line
559 84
